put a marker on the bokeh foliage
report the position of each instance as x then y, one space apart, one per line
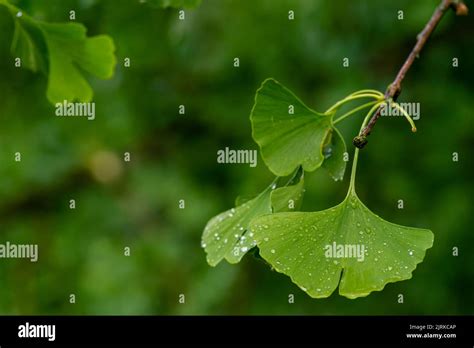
174 156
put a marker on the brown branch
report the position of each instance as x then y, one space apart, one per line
395 88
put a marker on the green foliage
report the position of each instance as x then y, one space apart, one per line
71 51
288 132
289 197
28 44
190 62
63 52
291 135
227 236
174 3
297 244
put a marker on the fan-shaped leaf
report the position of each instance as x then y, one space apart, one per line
347 245
288 132
227 236
63 52
70 51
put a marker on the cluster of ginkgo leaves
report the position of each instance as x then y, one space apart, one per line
295 139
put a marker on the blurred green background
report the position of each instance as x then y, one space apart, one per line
173 156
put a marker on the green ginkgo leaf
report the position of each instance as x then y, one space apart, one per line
288 132
70 53
347 245
63 52
226 235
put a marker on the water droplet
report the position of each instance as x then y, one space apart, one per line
244 249
272 251
390 268
410 253
265 239
336 262
361 232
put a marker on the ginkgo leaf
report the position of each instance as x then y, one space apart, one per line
334 151
226 236
71 52
63 52
297 244
174 3
288 132
223 232
347 246
285 198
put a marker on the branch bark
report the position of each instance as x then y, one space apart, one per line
395 87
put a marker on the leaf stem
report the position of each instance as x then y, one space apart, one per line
373 91
347 114
351 98
356 152
403 111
